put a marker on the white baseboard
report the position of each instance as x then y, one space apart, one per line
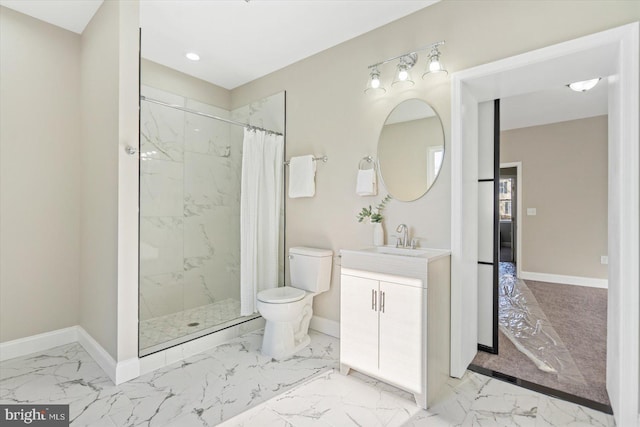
565 280
118 372
326 326
97 353
36 343
127 370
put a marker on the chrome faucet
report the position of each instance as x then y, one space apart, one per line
402 228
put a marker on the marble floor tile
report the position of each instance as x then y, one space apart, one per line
555 412
335 400
235 385
63 375
203 390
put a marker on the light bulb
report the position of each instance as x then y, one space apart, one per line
434 65
374 86
193 56
402 75
585 85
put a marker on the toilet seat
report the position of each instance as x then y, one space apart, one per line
281 295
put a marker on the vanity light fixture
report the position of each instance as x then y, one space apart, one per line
406 62
403 74
373 85
193 56
584 85
434 65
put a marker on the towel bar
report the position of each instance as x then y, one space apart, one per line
324 159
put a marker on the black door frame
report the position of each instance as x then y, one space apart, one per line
496 226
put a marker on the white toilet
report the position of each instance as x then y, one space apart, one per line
288 309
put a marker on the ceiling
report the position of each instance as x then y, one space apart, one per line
558 104
72 15
239 41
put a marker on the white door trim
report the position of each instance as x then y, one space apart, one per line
614 52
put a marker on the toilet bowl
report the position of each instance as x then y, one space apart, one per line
287 310
287 316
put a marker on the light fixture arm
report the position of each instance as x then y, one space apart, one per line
412 54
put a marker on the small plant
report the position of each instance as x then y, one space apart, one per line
367 212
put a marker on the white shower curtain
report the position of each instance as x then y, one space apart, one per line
260 202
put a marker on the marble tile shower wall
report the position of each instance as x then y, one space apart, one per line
189 207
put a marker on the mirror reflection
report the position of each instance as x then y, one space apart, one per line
410 150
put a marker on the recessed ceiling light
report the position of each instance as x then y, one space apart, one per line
584 85
193 56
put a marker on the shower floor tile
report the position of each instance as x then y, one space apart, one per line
164 329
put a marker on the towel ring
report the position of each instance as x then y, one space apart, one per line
364 161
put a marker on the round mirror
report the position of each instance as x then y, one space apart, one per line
410 150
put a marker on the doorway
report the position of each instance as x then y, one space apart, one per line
612 52
552 332
507 202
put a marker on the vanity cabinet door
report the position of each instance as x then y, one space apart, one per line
359 323
402 335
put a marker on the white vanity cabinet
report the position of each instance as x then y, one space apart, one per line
383 328
396 327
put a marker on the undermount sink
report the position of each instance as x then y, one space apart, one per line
391 260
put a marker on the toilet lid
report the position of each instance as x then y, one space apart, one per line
281 295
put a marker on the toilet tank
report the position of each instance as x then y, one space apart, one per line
310 268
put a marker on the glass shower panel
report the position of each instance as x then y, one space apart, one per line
190 180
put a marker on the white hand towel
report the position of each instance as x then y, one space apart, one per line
302 177
366 185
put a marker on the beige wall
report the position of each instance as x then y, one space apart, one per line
108 295
39 176
165 78
100 176
564 176
328 113
128 183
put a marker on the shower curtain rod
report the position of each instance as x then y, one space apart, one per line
188 110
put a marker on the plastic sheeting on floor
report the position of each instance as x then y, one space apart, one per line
523 321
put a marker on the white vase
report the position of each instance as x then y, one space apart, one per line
378 234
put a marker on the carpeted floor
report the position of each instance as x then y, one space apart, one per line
579 316
506 254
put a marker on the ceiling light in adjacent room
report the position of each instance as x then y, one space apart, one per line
193 56
584 85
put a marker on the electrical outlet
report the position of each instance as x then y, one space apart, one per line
531 211
604 259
